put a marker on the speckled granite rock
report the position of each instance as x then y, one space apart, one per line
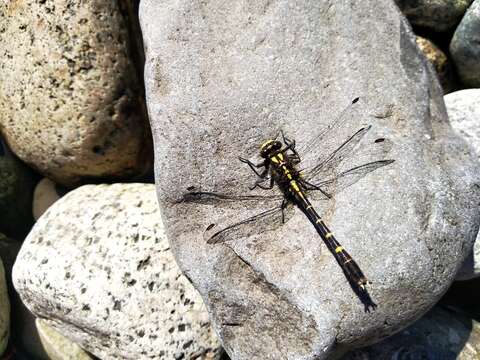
465 46
440 335
57 346
70 97
98 266
439 61
16 188
45 194
23 332
220 80
436 15
4 311
464 112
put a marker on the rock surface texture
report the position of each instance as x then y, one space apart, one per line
465 46
45 194
222 79
436 15
439 61
98 269
70 98
463 109
57 346
22 328
439 335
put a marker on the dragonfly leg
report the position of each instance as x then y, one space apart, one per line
258 183
291 146
254 167
283 207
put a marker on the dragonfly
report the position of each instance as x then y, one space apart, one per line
280 169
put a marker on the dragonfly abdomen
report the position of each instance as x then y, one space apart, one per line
349 266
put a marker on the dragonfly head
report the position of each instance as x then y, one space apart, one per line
268 147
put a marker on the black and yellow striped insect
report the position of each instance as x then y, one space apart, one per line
279 167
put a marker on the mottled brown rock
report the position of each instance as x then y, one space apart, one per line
439 61
70 95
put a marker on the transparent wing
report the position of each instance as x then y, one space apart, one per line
332 161
345 179
262 222
201 197
324 138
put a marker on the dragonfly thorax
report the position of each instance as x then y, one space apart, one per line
269 147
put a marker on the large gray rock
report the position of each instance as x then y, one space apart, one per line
440 335
98 269
465 46
70 95
220 80
463 109
436 15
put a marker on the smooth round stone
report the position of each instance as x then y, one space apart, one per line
261 67
436 15
45 194
465 47
70 93
97 265
57 346
463 109
16 188
440 335
4 311
439 61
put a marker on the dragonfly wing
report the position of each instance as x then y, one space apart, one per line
331 162
262 222
201 197
331 128
345 179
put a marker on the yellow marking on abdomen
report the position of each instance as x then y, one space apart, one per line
318 221
274 159
266 143
309 207
339 249
329 235
280 156
294 185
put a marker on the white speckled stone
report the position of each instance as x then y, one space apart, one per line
463 109
98 266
